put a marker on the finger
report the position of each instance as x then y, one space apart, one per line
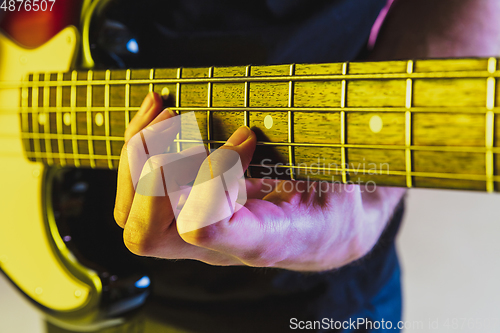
155 139
147 234
243 142
164 174
151 231
124 190
219 183
262 232
156 200
257 234
150 107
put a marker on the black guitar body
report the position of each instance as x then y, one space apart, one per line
82 203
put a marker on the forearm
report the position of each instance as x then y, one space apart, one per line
440 28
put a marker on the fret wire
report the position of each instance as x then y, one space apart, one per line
408 126
492 65
286 78
490 94
291 159
408 157
151 79
74 142
489 153
343 102
246 104
127 99
90 75
490 125
46 125
35 115
178 102
209 105
107 129
59 120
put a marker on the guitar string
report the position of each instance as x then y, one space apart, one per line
457 149
338 171
413 174
394 109
479 74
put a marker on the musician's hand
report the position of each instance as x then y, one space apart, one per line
283 224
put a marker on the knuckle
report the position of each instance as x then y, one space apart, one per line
137 245
137 241
203 237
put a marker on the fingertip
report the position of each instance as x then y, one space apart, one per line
243 141
239 136
155 105
253 136
173 113
151 105
158 100
169 113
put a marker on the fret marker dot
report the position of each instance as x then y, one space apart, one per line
67 119
42 118
268 121
165 92
376 124
99 119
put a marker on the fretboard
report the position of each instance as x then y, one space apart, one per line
423 123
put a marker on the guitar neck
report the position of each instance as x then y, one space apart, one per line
424 123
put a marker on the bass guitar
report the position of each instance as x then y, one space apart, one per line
415 123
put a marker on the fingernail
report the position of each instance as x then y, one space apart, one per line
147 103
239 136
172 113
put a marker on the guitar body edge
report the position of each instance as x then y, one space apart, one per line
32 253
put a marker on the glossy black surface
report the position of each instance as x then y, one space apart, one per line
83 202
